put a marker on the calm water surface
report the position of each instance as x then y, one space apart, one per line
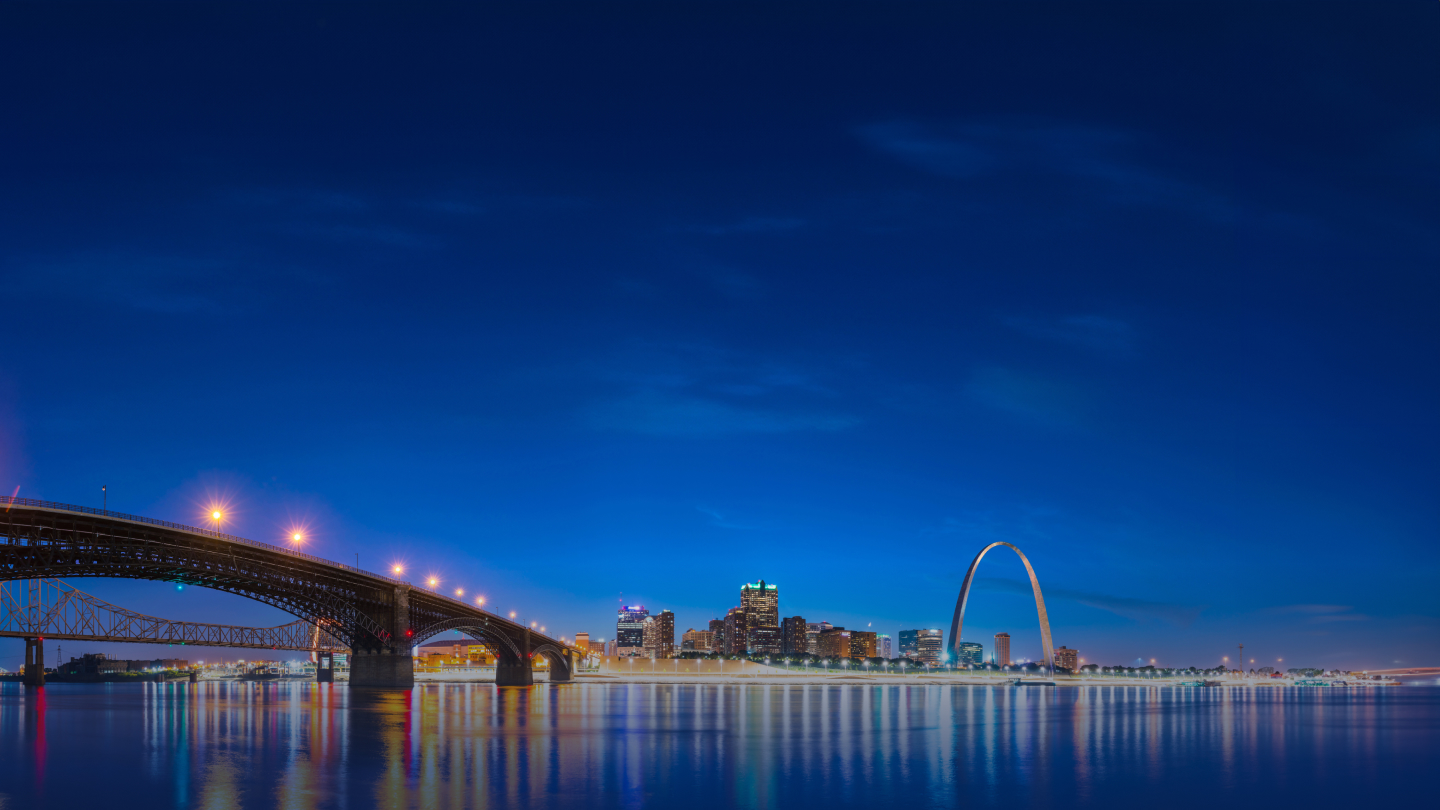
599 746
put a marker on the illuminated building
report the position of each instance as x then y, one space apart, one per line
812 636
735 632
882 645
717 626
699 640
582 641
862 644
922 645
1066 658
761 605
971 653
664 634
630 630
833 642
1002 649
765 641
792 635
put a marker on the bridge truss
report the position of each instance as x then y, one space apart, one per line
50 608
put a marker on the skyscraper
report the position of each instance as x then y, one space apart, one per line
1066 658
735 632
651 630
812 636
924 646
882 646
665 634
717 642
792 636
1002 649
630 630
972 653
761 604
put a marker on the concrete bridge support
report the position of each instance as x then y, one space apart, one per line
325 667
34 671
391 665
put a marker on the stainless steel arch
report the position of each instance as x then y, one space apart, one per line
957 624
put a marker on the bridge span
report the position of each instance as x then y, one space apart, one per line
379 618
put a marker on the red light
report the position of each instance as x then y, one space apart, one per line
409 633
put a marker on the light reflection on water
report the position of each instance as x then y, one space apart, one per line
650 745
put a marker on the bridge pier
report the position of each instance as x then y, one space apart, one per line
383 670
34 662
514 673
325 667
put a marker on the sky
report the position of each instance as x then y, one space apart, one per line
576 306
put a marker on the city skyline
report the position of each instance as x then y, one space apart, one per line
1161 321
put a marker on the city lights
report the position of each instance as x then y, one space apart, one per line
399 569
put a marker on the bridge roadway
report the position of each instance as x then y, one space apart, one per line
377 617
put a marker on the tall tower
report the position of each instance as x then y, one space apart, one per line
1002 649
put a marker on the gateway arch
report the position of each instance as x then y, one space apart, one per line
958 623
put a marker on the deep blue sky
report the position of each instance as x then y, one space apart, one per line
568 302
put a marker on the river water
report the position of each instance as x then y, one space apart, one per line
300 745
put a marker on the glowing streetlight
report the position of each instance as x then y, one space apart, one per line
479 600
399 569
433 581
297 537
216 515
512 614
459 591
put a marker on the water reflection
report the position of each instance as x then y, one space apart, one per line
654 745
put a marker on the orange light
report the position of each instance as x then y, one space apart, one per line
398 569
297 537
433 581
215 515
512 614
459 591
479 600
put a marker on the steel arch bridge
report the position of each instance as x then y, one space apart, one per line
377 617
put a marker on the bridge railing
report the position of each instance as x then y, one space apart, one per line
7 500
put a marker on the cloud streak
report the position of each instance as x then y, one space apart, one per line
1180 615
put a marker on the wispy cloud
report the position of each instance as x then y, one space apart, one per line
1180 615
668 413
1101 162
753 225
1035 397
694 390
1097 334
721 520
1320 614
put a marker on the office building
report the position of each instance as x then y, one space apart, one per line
665 630
1002 649
812 636
924 646
582 641
972 653
764 641
698 640
652 637
736 635
792 635
630 630
1066 658
833 642
862 644
882 645
761 604
717 644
